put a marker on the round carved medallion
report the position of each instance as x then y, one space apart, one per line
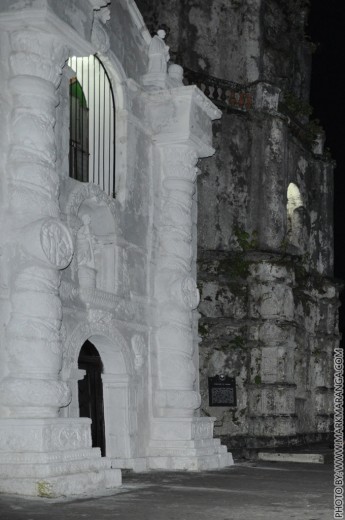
56 243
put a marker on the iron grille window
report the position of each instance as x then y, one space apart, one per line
92 124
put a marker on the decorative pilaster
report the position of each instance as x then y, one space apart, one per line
41 244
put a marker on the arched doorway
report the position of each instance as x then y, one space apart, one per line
90 393
121 389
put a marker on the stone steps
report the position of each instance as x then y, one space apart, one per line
183 451
92 482
195 463
195 443
35 457
52 469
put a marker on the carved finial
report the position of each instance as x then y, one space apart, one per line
158 54
175 73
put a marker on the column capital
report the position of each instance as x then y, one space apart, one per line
180 162
71 27
38 54
182 115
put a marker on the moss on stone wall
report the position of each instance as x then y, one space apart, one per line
44 489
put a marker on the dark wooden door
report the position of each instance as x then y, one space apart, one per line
90 392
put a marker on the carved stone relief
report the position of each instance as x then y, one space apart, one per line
101 324
138 345
56 243
84 192
99 35
99 262
21 395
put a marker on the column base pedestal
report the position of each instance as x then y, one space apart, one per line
52 458
186 444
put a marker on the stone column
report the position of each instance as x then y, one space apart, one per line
179 439
176 289
41 245
40 453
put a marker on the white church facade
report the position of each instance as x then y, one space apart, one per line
98 339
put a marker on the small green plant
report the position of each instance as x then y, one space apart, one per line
44 489
313 130
203 329
238 342
317 353
245 240
302 110
238 265
296 106
235 266
284 245
234 417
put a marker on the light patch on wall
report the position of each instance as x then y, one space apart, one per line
294 199
297 231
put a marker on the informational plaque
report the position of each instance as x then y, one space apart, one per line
222 391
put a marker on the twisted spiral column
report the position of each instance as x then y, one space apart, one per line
41 244
176 289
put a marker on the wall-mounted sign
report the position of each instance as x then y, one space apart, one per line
222 391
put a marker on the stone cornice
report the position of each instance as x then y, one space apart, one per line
204 103
46 21
185 119
193 93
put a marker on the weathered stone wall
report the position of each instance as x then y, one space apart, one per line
286 48
271 326
218 37
265 233
242 41
244 188
269 314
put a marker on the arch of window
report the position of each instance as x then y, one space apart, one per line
295 216
294 198
92 124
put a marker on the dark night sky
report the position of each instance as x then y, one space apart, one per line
327 28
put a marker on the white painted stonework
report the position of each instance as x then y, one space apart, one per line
78 265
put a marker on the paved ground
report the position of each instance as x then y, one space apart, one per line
246 491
